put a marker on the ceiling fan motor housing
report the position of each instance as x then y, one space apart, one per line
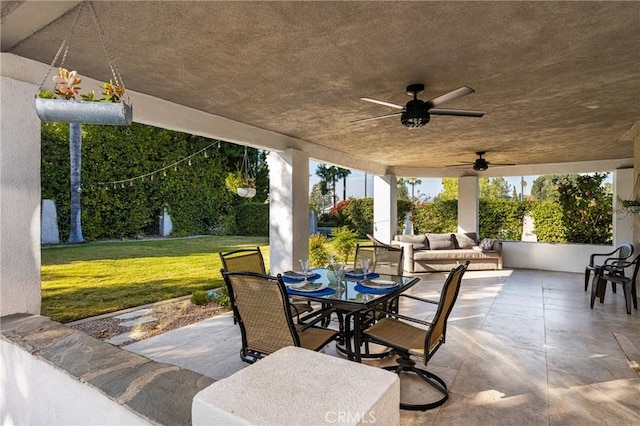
480 165
415 115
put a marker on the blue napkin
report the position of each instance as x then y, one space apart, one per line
324 292
369 276
363 289
299 280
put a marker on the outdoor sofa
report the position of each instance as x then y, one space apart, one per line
442 252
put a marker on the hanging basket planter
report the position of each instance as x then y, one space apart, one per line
65 104
246 192
70 111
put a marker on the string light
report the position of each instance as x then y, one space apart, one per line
164 169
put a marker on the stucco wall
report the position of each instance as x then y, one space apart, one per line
19 199
549 257
36 393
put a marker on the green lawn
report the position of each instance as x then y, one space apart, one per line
81 281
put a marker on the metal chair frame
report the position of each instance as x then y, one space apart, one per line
279 327
434 337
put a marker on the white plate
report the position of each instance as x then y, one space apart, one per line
379 283
306 287
297 275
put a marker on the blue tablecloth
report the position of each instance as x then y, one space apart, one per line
324 292
363 289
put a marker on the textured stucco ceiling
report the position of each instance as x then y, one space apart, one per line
559 81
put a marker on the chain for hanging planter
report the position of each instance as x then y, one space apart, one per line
65 104
248 189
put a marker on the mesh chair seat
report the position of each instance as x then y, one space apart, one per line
401 334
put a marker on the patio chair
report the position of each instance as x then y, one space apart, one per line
397 332
261 305
251 260
615 274
624 253
385 259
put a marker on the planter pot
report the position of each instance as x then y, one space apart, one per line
67 111
246 192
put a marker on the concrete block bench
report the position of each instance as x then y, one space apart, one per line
295 386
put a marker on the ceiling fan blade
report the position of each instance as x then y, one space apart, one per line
395 114
458 112
462 164
448 97
389 104
501 164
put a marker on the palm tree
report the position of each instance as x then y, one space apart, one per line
75 154
342 174
413 182
328 174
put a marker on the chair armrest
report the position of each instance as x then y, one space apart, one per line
326 313
593 256
435 302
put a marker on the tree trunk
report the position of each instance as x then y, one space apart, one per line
344 188
75 153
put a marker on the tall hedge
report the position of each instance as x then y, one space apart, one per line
252 219
437 217
193 191
501 218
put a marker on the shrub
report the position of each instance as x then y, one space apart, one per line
221 297
199 297
501 218
252 219
358 215
317 250
344 242
547 217
436 217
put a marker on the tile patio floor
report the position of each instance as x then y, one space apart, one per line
522 347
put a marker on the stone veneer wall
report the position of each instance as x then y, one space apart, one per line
52 374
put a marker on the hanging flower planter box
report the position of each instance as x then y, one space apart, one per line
70 111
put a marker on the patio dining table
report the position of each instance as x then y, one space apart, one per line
352 297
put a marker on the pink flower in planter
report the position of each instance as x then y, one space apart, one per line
66 83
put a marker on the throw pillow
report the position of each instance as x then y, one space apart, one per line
441 241
487 244
466 240
418 242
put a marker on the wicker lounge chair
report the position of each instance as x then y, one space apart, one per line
260 304
408 340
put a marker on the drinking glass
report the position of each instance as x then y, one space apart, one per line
304 264
365 263
338 271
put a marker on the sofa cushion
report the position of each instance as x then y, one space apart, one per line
487 243
465 240
419 242
452 255
441 241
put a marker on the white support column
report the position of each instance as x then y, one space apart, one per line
385 207
468 204
20 200
622 222
289 209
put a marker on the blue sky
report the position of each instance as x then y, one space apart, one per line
430 186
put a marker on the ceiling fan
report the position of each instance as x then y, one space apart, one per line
416 113
480 164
